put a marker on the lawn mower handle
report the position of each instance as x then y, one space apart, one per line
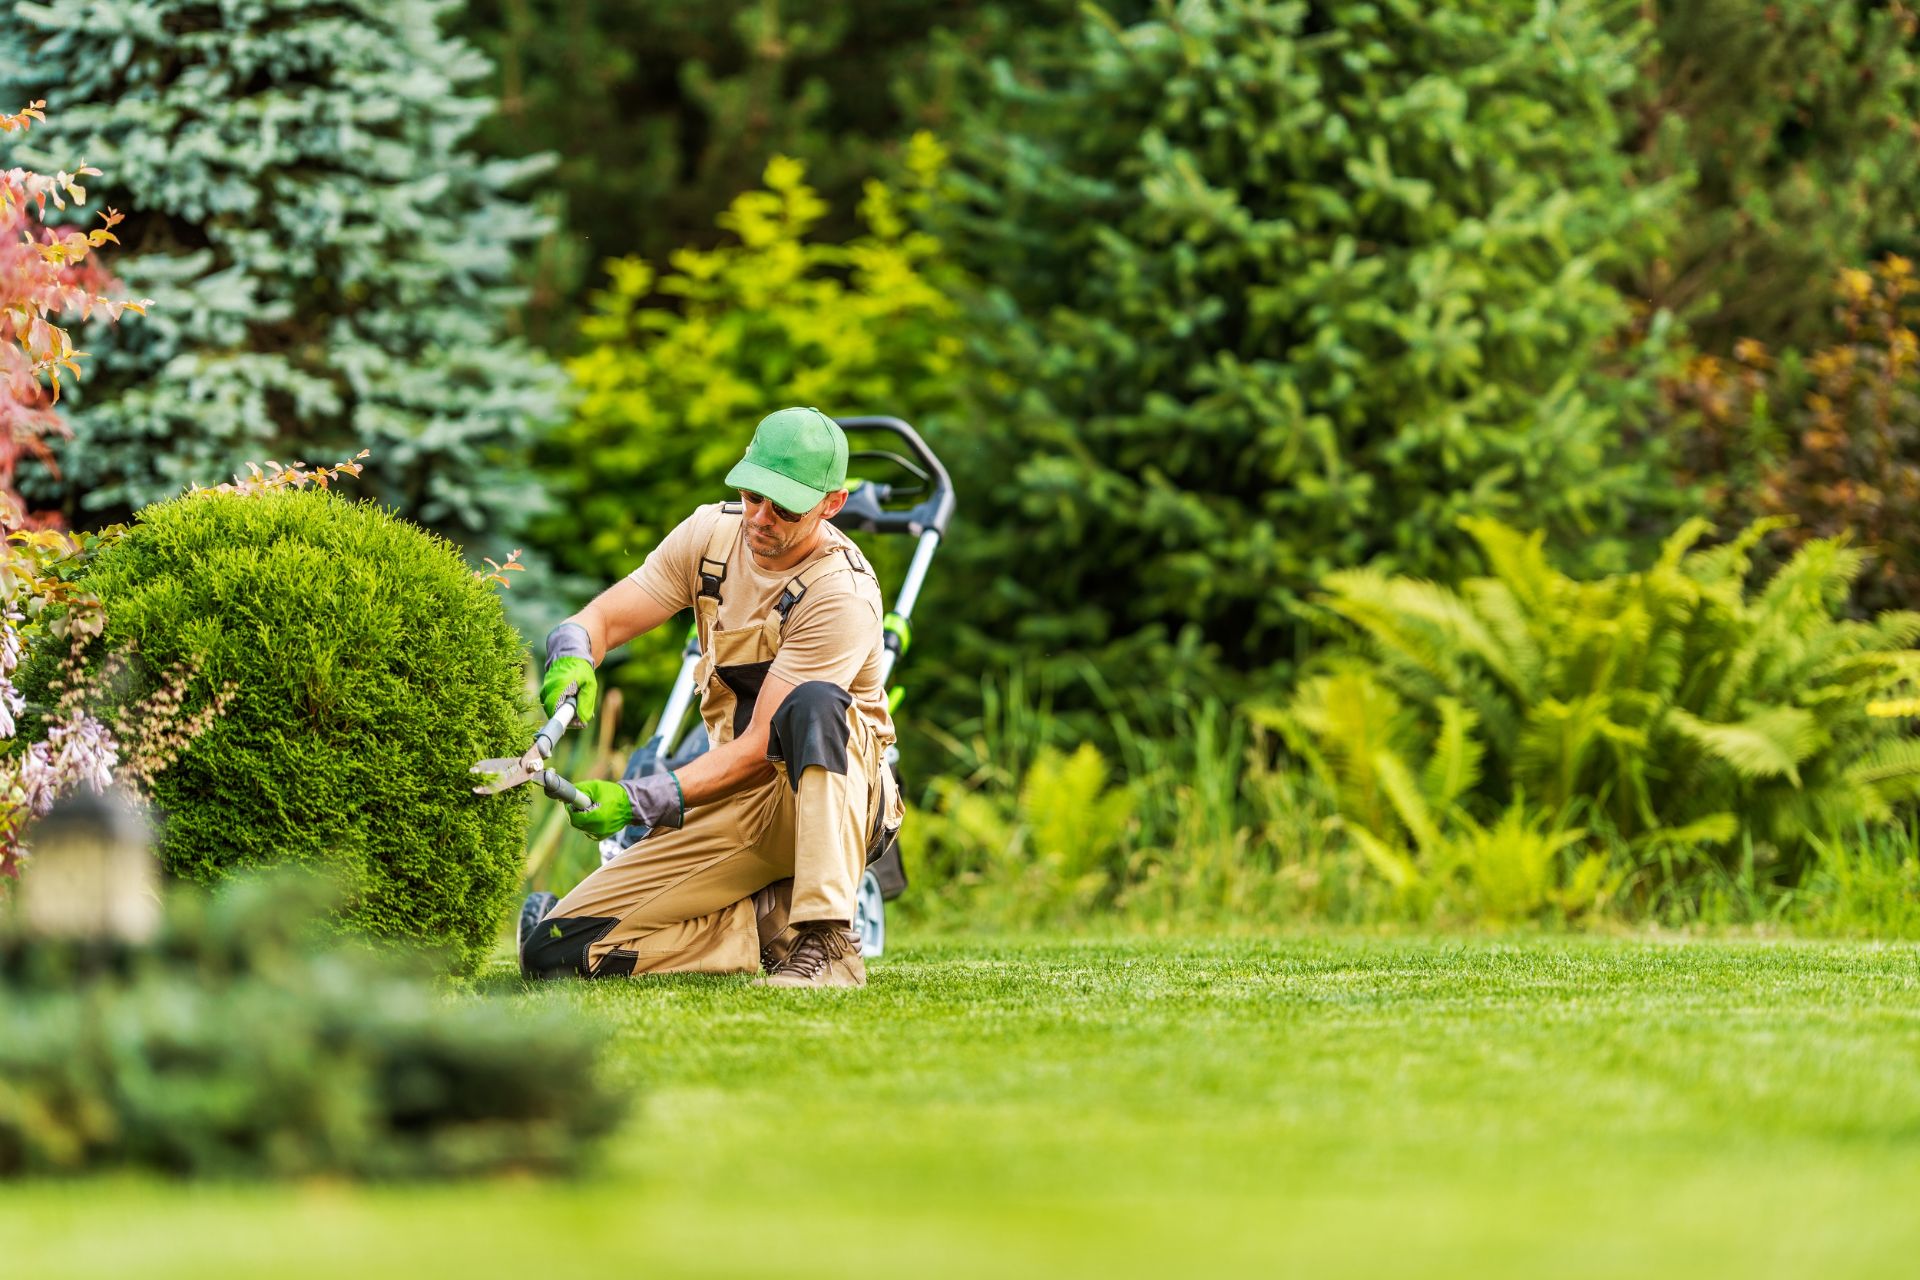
934 510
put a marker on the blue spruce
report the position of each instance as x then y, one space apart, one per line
332 269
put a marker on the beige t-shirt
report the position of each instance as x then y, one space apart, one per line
834 633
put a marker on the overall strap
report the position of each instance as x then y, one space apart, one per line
839 560
712 568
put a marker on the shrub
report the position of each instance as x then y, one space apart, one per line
659 111
369 669
45 272
1666 709
1028 824
236 1046
1794 123
1279 288
1831 440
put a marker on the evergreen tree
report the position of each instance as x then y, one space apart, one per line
1278 288
329 267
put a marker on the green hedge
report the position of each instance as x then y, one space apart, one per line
369 669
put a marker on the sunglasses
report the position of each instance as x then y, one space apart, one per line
755 499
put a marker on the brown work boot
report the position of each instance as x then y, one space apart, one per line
771 907
823 955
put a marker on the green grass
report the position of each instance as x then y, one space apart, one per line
1326 1106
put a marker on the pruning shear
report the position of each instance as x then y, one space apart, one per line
508 772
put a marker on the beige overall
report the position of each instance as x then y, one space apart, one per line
681 901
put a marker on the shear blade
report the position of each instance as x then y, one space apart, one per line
506 774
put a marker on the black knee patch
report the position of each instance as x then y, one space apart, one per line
558 947
810 728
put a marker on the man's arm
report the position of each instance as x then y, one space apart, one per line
663 800
641 601
737 765
618 614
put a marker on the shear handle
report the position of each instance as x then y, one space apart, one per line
550 732
560 789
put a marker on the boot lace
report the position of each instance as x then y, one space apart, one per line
813 951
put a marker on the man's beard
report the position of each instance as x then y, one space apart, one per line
771 544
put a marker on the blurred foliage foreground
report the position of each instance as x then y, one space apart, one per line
242 1043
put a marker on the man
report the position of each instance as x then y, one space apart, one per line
757 845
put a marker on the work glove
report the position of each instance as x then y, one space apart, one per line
653 800
569 659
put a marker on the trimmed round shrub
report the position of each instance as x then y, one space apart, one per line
369 670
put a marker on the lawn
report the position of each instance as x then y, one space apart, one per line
1320 1106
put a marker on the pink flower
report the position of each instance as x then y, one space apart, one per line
11 703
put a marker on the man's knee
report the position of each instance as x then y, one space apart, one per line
558 946
811 729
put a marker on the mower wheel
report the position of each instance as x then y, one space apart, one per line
532 912
870 916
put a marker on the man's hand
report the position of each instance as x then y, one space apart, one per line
653 800
570 661
563 672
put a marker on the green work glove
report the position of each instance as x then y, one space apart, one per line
653 800
570 660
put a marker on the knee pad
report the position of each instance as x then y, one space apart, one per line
558 947
810 728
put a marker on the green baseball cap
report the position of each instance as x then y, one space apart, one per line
797 457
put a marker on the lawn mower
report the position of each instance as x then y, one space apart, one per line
909 474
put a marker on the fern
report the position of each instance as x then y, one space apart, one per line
1767 744
1727 565
1518 560
1508 623
1510 868
1071 817
1892 766
1454 767
1679 705
1715 828
1409 802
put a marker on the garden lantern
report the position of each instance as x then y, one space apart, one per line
92 874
